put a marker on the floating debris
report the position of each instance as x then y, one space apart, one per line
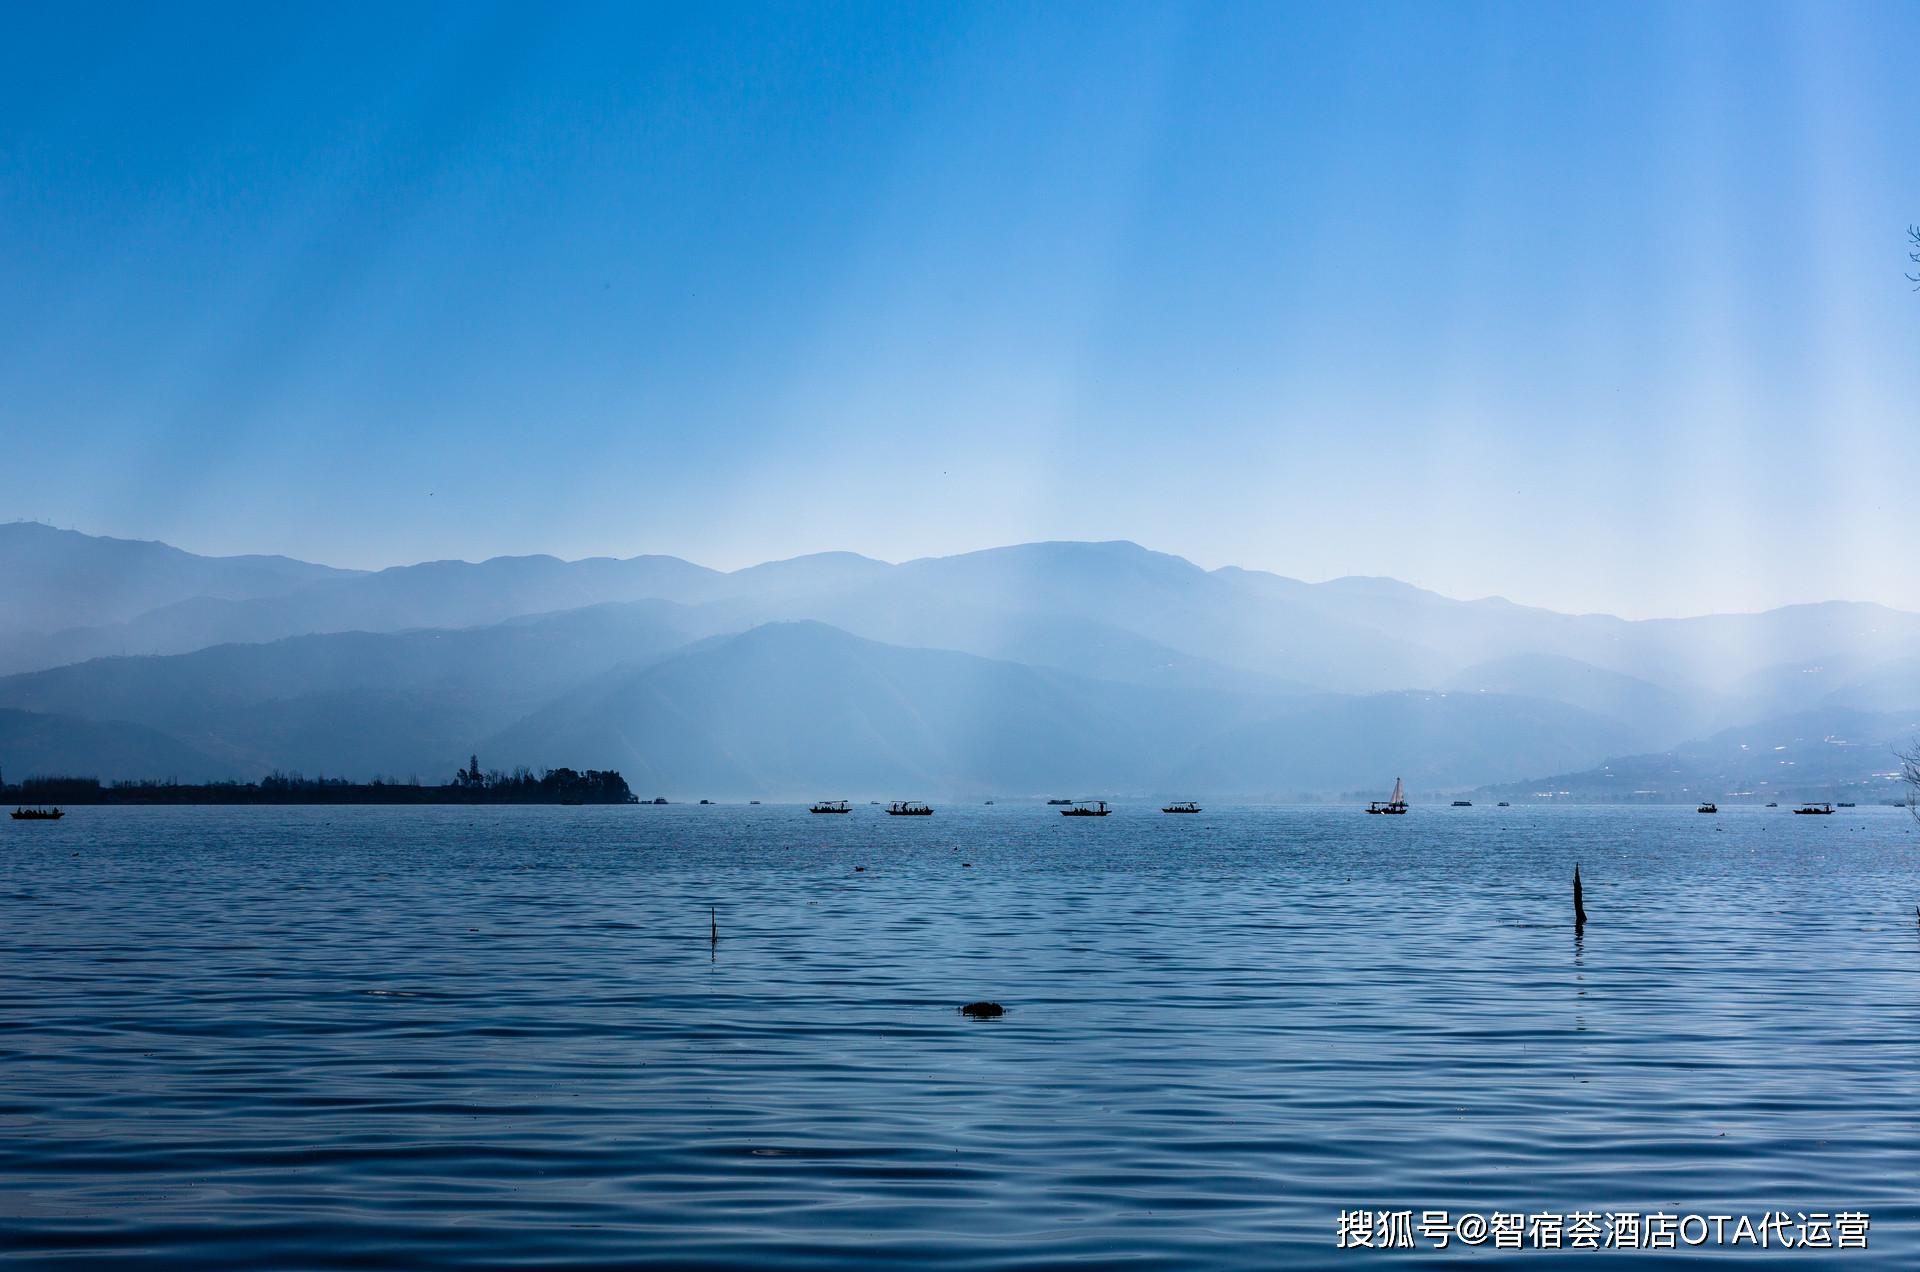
983 1011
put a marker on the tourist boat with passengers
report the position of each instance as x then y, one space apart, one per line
908 808
1396 803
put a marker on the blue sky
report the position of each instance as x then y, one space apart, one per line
1598 307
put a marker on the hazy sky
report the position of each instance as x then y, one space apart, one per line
1597 307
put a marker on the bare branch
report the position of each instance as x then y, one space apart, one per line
1910 771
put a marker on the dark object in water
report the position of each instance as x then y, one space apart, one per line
713 933
1059 801
660 800
1579 910
907 808
1845 803
1188 807
1463 803
983 1011
1815 810
1707 808
1082 810
1396 803
831 806
1505 804
706 801
37 814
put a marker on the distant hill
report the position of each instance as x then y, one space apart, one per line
1211 680
1829 754
33 744
803 710
1649 713
53 579
436 594
353 703
1438 742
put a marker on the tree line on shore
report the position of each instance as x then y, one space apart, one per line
469 786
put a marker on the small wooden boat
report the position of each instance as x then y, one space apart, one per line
1396 803
1463 803
1188 807
907 808
37 814
1814 810
1097 809
1504 804
1773 803
1707 808
1053 802
831 806
1845 803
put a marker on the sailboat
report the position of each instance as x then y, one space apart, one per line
1396 804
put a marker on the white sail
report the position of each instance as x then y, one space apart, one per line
1399 794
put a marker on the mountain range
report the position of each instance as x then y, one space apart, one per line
1101 668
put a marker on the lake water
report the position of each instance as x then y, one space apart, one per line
242 1038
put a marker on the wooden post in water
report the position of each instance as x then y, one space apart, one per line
1579 910
713 934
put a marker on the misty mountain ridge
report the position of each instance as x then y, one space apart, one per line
1830 754
1225 680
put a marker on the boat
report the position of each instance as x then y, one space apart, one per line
1504 804
1052 802
1396 804
1463 803
1845 803
989 803
1707 808
907 808
37 814
831 806
1097 809
1815 810
1773 803
1188 807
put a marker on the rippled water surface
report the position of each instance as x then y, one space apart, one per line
503 1037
